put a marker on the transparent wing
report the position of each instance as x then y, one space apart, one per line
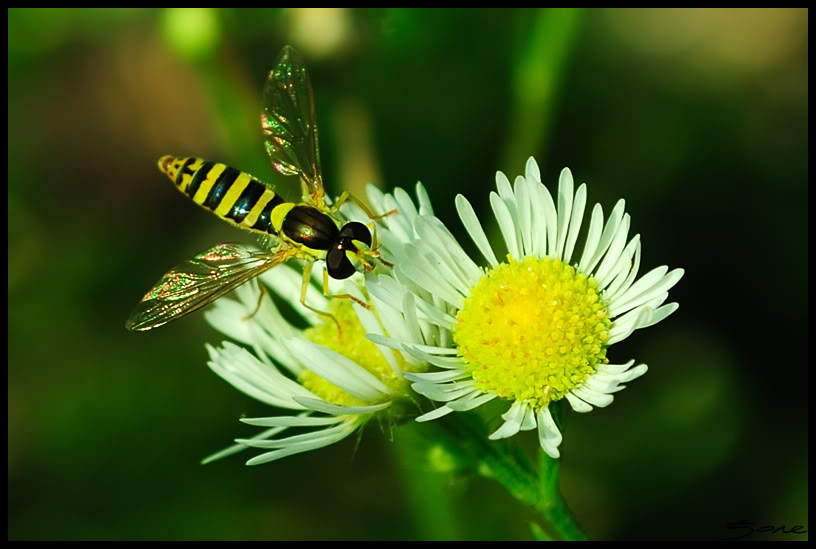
289 123
199 281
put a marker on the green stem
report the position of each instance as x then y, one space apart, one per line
551 503
537 81
465 438
430 497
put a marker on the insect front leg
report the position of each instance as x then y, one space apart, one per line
307 276
374 245
261 296
348 196
340 296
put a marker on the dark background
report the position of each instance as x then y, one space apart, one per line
697 117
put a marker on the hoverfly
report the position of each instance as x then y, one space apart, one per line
308 230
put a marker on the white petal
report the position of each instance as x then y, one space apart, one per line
616 289
438 258
425 207
633 373
576 218
288 441
444 392
531 170
436 236
617 274
353 212
506 224
391 318
638 317
614 368
432 319
509 198
504 188
431 349
304 446
613 255
387 341
524 215
595 398
611 228
286 282
592 239
405 206
528 422
538 220
512 422
268 331
437 377
643 284
660 314
370 323
249 375
476 399
549 217
396 223
375 198
548 434
434 414
455 363
319 405
398 345
291 421
390 245
341 371
565 196
606 383
647 288
235 448
421 273
474 228
411 322
225 316
578 405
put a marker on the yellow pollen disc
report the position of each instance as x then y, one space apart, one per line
354 346
531 330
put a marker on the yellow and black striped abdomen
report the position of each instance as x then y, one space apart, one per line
230 194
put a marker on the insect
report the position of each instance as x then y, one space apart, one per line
308 230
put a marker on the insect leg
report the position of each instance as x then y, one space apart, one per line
340 296
348 196
316 195
307 275
262 294
361 253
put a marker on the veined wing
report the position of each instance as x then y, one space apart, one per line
289 123
200 281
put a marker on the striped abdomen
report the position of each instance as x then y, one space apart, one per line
232 195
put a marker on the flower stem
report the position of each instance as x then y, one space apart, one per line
465 438
551 503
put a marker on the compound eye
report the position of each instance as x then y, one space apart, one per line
356 231
338 264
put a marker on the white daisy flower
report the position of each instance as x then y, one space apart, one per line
533 329
332 382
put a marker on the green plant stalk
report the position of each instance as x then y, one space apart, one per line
537 78
551 503
465 438
428 494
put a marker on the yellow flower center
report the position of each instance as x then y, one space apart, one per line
353 345
531 330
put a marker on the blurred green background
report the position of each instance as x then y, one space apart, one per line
697 117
